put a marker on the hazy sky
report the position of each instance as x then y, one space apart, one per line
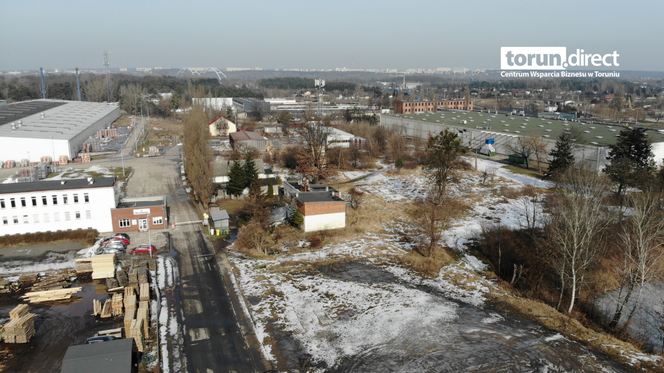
320 34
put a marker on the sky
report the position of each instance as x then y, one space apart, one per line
320 34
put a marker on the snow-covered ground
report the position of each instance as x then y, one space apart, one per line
346 301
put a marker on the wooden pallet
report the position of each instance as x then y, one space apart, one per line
145 292
50 295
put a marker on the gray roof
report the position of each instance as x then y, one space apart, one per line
36 186
219 215
247 135
62 119
133 204
309 197
105 357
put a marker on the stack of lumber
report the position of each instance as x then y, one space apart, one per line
143 314
50 295
130 315
112 283
96 307
142 274
116 306
136 332
121 276
130 302
145 292
51 282
83 265
103 266
21 327
106 310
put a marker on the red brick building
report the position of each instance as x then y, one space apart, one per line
321 206
140 214
409 107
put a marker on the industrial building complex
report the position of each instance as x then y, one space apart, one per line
49 129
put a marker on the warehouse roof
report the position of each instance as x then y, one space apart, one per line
35 186
112 357
57 119
594 133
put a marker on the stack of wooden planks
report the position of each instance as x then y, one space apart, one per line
83 265
143 314
116 307
130 315
96 307
106 310
50 295
51 282
103 266
21 327
136 332
144 292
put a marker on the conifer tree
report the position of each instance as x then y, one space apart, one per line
236 179
562 155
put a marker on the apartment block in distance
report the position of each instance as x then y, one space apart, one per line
409 107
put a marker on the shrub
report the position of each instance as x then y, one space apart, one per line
315 241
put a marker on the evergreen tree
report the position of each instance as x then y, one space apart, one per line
270 190
250 171
296 218
399 163
236 179
631 158
562 155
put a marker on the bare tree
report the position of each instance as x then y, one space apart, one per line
640 250
523 147
95 90
538 147
198 155
311 159
578 225
131 96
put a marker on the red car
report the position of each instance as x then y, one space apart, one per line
143 249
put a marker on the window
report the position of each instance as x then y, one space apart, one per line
75 198
46 218
5 221
56 216
55 200
15 219
23 203
157 220
67 216
44 201
25 219
35 217
77 214
86 198
64 199
88 214
34 201
13 202
2 203
124 223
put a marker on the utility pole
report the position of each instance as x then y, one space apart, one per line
319 83
108 77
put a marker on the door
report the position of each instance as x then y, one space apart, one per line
142 225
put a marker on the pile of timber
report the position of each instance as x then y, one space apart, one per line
96 307
103 266
144 292
136 332
130 315
143 314
106 310
50 295
83 265
51 282
117 305
121 276
112 283
21 327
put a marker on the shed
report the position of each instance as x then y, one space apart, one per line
106 357
250 139
220 220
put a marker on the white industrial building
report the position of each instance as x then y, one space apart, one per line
53 205
50 128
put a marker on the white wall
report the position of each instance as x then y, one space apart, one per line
324 221
16 149
102 200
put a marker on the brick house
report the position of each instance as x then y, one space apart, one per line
409 107
139 214
321 205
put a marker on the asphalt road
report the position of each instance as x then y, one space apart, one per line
214 339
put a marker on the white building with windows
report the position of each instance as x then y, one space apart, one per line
53 205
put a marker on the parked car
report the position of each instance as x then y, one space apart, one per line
143 249
110 239
123 235
105 338
112 247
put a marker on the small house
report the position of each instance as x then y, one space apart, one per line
221 126
220 221
250 140
321 205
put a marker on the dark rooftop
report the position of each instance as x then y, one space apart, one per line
309 197
35 186
13 112
105 357
244 135
133 204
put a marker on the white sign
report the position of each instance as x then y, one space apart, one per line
552 58
141 211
